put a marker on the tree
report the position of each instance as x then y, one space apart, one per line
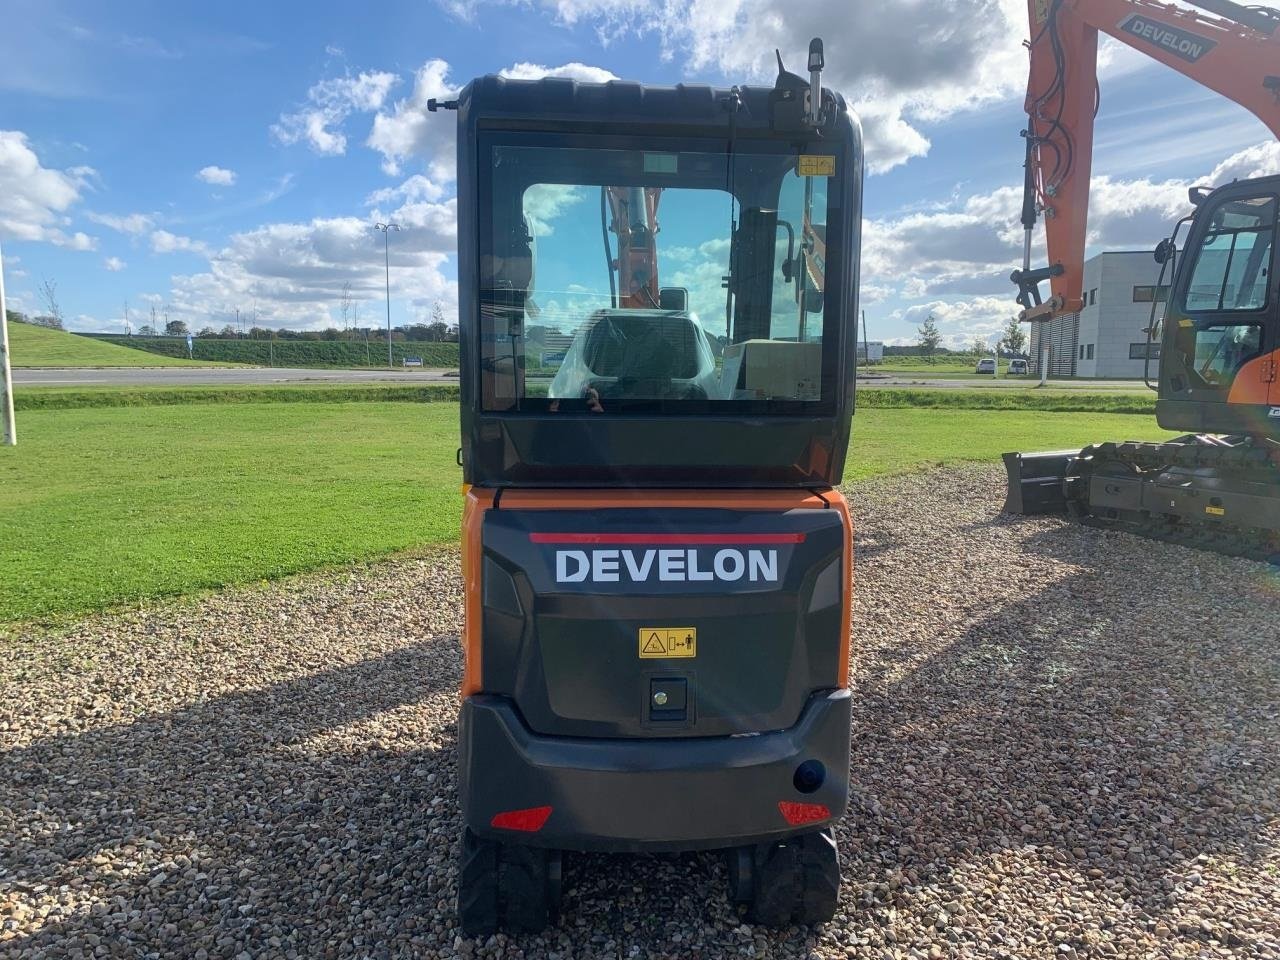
1015 338
15 316
48 294
980 347
930 339
206 332
146 330
175 328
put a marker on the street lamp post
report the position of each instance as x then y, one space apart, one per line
386 229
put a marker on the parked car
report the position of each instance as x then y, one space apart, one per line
1018 368
987 365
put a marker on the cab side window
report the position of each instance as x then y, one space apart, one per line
1230 282
1233 266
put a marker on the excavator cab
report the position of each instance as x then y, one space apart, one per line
1222 325
657 289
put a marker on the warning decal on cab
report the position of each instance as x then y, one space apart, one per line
816 166
660 643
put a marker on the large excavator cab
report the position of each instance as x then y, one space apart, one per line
1222 325
657 292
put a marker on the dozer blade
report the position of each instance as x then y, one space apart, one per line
1036 482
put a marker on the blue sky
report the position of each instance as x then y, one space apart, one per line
203 158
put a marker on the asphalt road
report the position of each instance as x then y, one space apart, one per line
259 376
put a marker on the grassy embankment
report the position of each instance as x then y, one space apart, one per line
104 505
296 353
33 346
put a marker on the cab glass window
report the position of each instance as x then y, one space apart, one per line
1233 265
678 280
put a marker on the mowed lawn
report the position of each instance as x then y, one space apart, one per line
33 346
112 505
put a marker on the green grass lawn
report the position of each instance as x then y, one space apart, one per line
102 506
33 346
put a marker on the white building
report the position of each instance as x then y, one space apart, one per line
1108 338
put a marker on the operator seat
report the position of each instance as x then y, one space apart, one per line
646 356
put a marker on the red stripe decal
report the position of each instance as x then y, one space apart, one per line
684 539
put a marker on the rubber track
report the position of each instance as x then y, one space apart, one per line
1256 463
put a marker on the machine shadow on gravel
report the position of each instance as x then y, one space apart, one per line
366 813
1117 741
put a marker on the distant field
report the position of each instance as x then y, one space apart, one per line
932 365
103 506
34 346
295 353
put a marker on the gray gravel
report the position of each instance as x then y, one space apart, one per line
1065 746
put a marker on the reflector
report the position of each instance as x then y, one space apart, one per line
798 814
530 820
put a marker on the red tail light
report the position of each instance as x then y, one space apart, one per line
526 821
798 814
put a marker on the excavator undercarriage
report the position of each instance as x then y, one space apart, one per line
1204 491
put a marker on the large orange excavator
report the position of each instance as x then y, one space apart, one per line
1218 343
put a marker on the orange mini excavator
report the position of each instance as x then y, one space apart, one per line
1218 342
658 565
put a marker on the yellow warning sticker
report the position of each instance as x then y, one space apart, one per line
1216 511
816 166
661 643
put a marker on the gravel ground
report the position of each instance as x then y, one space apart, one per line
1065 745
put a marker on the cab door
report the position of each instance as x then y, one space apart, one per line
1222 337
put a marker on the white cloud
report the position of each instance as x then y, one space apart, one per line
544 203
76 241
114 264
295 272
568 71
919 63
957 259
34 199
217 176
960 321
870 293
162 241
1262 160
409 130
329 103
417 187
84 323
132 223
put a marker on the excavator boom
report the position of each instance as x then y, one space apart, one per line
1236 54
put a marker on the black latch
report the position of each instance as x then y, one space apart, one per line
434 105
669 699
